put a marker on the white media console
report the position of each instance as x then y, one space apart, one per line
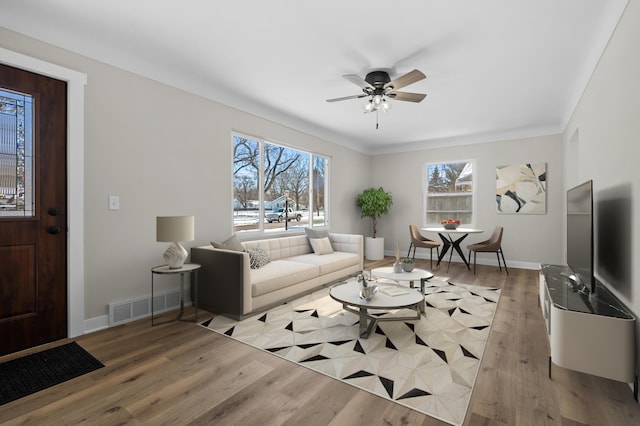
592 334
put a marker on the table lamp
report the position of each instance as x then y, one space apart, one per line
174 229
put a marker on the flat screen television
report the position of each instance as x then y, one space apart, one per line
580 236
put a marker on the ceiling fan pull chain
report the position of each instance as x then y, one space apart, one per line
376 119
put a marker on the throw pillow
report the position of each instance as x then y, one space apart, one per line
313 234
321 245
316 233
231 243
257 258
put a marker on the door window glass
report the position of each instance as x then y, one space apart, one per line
16 154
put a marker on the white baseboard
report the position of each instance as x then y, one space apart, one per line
96 324
479 261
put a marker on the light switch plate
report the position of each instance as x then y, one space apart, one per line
114 202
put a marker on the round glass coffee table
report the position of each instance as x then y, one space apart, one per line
421 275
388 297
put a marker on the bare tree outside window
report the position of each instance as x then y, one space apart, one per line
296 181
245 189
277 159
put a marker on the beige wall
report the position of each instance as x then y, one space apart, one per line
528 239
602 142
166 152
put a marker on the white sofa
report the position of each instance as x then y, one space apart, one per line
227 285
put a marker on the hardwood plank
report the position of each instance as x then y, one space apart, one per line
368 409
189 403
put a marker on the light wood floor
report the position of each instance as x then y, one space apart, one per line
180 373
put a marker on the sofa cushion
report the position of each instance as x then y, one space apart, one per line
329 263
282 248
321 246
257 258
281 273
231 243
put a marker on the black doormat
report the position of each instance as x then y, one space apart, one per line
32 373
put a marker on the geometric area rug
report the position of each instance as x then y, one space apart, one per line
429 365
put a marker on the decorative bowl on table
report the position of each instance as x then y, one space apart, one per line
368 289
450 223
368 292
408 267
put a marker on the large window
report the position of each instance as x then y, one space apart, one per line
449 192
277 188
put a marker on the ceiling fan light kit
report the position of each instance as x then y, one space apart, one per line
379 87
377 102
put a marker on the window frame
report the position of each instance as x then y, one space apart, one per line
260 230
425 189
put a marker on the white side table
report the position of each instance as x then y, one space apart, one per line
192 268
421 275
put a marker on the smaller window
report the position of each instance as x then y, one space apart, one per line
449 192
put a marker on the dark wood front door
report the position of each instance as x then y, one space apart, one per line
33 209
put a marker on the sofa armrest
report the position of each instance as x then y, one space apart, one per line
221 280
350 243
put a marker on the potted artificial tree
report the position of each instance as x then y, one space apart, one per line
373 203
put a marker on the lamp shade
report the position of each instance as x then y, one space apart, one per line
174 228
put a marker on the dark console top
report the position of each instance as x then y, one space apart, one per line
565 295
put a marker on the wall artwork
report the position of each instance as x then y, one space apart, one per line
522 188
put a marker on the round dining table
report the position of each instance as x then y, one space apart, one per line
451 239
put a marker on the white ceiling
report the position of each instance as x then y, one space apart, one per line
495 69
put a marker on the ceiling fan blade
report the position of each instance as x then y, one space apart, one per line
406 96
358 81
405 80
346 97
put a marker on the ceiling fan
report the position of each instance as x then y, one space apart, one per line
378 86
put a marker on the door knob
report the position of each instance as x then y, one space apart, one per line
53 230
52 211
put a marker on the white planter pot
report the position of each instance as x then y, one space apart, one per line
374 248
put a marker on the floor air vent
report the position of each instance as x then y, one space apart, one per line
131 310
